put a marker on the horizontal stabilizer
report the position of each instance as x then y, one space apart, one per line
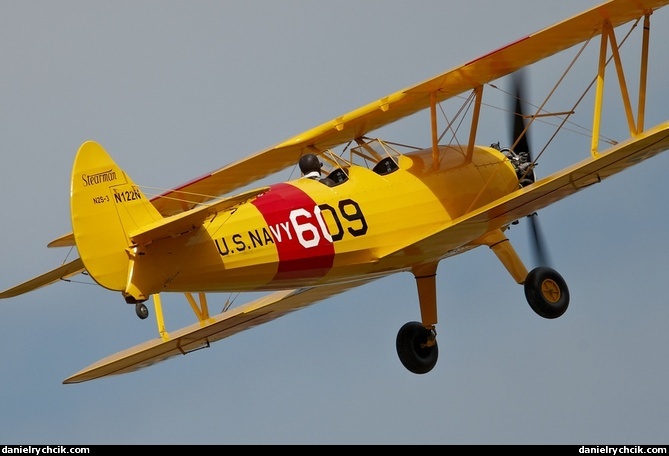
186 221
201 334
67 270
180 223
66 240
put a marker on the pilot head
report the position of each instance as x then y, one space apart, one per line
310 163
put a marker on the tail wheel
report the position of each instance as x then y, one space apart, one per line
417 347
141 310
546 292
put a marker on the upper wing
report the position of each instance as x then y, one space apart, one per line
391 108
548 190
201 334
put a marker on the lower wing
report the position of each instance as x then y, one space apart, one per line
201 334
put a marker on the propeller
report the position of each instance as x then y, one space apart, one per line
539 250
525 159
519 135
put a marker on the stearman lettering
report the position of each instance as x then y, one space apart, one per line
98 178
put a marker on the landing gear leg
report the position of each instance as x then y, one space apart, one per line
416 342
545 289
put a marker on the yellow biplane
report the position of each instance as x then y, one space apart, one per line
379 208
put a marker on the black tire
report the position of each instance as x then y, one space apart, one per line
141 310
411 349
546 292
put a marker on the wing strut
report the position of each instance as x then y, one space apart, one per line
425 276
433 127
200 310
643 73
635 128
160 321
621 78
478 92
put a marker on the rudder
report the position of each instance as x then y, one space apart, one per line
105 206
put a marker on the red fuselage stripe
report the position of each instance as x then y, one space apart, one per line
303 249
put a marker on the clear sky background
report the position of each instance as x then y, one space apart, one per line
173 90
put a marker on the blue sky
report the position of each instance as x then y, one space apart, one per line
173 90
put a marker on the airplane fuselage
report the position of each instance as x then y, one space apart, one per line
302 232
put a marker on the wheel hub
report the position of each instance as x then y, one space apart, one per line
550 290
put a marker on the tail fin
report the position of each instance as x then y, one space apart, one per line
105 206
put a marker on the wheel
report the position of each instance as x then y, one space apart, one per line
412 350
141 310
546 292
